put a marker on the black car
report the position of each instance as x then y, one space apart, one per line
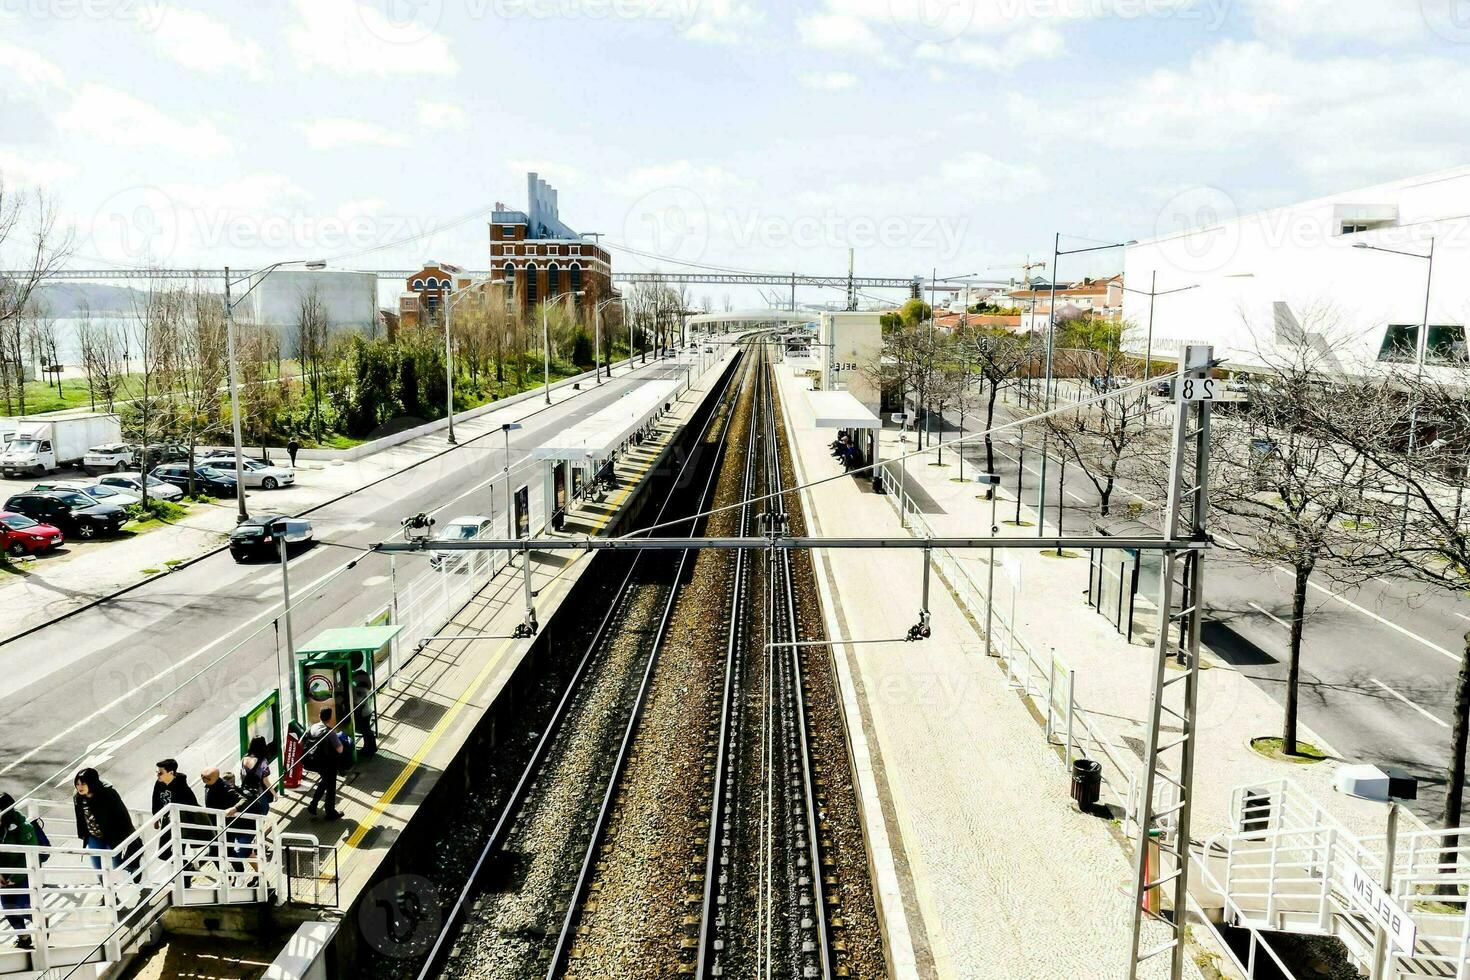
76 514
257 537
207 479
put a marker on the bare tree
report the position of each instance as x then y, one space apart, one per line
1104 435
1301 499
102 360
1425 480
201 370
998 356
150 415
311 337
31 243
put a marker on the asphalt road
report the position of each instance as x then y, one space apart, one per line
85 687
1379 658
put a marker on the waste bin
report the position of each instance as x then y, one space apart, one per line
1086 783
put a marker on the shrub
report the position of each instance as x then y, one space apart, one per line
156 510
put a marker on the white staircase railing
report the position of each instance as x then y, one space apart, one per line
69 905
1286 866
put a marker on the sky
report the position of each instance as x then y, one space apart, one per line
957 135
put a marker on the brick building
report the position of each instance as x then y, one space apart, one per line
540 258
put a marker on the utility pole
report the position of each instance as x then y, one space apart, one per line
241 514
851 286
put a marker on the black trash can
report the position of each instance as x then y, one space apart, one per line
1086 783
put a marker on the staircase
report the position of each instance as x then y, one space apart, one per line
1286 866
76 906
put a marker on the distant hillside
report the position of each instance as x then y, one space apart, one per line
68 299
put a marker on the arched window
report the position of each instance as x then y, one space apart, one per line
510 272
553 280
531 290
432 283
576 277
417 285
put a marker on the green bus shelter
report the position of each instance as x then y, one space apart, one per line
339 669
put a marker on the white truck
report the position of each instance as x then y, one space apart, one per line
46 443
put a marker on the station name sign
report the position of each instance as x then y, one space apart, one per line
1369 898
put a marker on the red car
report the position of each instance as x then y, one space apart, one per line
19 535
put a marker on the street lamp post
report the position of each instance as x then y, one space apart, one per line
242 514
1051 322
597 338
1152 294
450 299
505 429
1421 352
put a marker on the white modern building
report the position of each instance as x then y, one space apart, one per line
849 346
349 299
1314 274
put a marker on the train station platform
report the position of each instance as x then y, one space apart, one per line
429 709
983 866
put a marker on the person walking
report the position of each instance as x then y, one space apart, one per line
103 821
363 716
15 831
325 750
292 448
169 788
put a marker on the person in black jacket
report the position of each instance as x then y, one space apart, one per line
220 795
170 788
103 821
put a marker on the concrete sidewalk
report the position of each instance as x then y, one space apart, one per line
49 587
983 866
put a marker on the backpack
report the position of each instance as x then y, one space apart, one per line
323 754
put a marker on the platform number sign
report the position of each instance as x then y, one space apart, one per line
1199 389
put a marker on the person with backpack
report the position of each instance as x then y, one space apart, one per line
324 749
255 778
103 820
16 831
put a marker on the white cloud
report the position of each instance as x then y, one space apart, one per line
264 192
203 44
720 21
828 81
1371 21
31 168
683 173
352 39
991 178
838 32
28 69
1341 121
1039 43
109 116
443 116
329 134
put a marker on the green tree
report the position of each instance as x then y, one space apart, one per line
914 312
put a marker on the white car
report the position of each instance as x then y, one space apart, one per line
116 496
257 475
466 528
133 483
112 456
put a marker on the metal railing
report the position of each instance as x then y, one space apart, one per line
75 904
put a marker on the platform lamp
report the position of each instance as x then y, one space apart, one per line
505 429
1381 784
1051 322
255 279
991 482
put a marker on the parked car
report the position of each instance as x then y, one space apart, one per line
266 476
109 457
19 535
466 528
133 483
74 513
257 537
207 479
99 493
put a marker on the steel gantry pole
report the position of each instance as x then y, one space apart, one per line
1171 762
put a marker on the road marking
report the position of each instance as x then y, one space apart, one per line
109 747
1386 622
1038 474
1275 619
1441 724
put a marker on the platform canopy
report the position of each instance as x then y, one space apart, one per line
348 639
840 410
596 437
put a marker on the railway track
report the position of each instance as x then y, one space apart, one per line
527 875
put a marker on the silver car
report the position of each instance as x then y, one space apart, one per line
133 483
258 475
